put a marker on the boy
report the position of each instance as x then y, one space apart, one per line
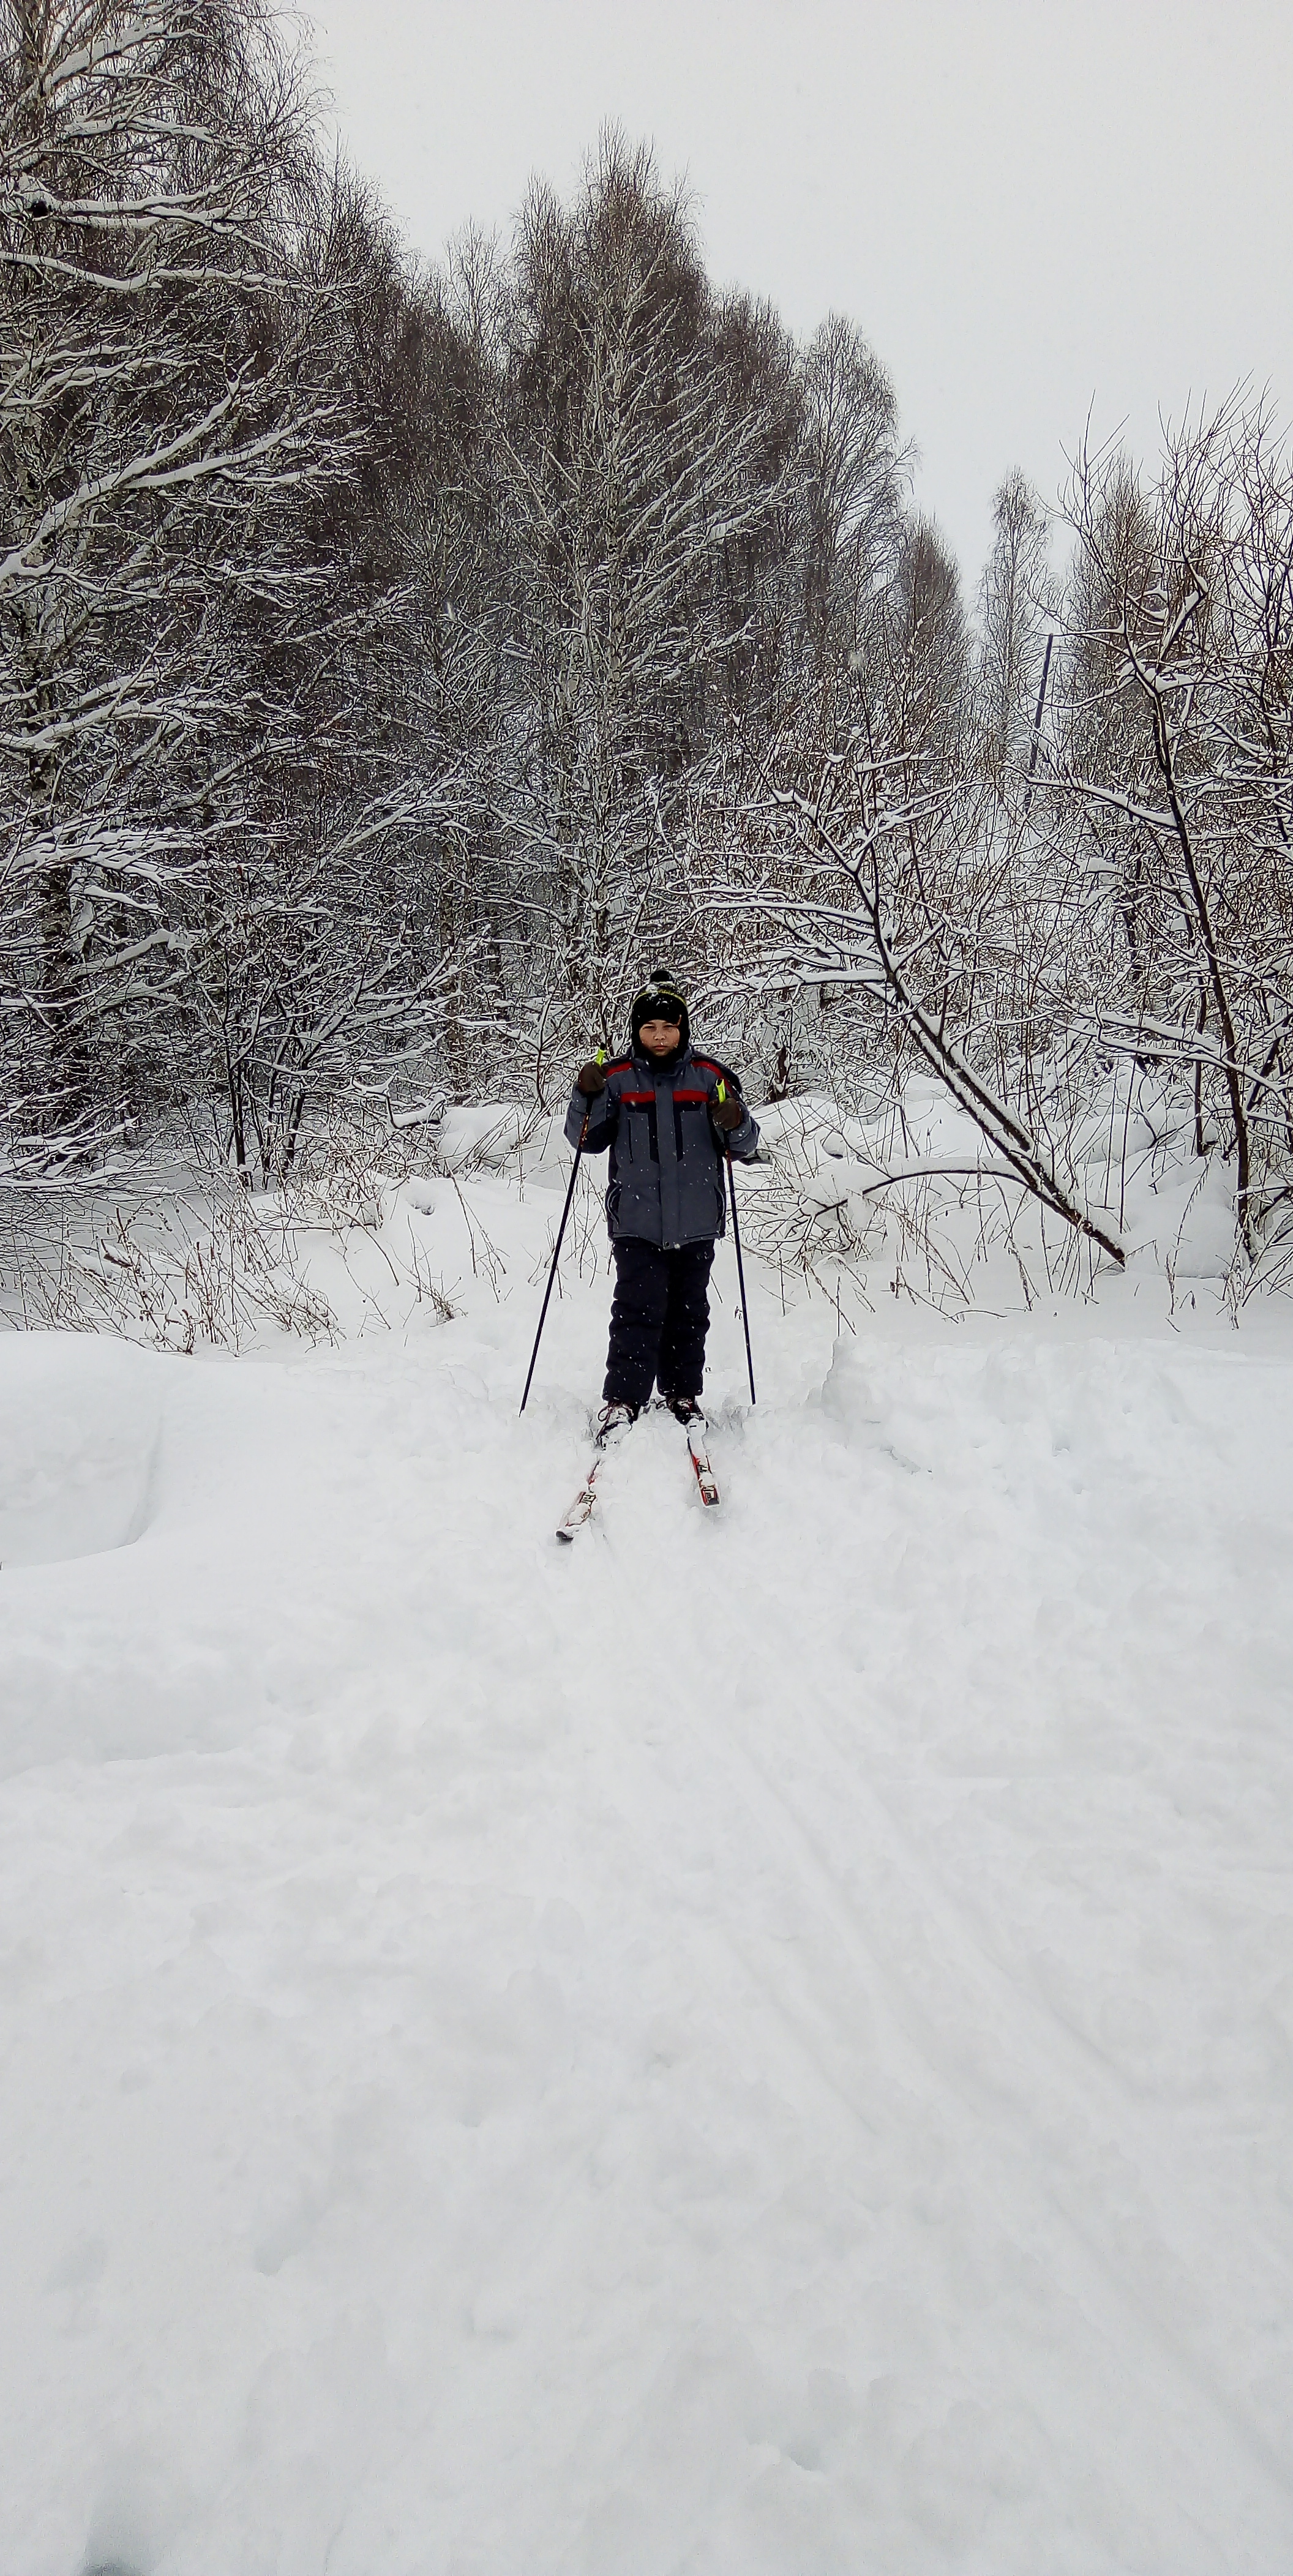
659 1110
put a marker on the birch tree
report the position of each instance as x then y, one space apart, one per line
1176 770
633 473
163 404
852 471
1011 658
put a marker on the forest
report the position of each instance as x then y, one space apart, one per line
396 661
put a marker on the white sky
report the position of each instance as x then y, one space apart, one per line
1031 209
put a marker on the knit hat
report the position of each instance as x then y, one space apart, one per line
661 998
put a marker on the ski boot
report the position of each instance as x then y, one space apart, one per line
613 1419
685 1409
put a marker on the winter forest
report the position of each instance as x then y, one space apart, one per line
395 661
759 2041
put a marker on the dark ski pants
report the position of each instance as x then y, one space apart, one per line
659 1320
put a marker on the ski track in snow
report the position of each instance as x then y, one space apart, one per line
761 2041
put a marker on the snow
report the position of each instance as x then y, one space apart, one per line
483 1132
79 1445
760 2042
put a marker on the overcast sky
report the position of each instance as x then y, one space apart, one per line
1033 210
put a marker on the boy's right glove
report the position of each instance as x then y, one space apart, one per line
590 1080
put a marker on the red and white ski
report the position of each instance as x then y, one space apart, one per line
583 1506
585 1502
706 1479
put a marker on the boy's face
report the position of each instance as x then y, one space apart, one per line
659 1037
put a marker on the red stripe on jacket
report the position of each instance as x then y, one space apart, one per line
643 1099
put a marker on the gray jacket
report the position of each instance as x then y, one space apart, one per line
666 1177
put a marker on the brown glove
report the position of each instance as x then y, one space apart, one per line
590 1080
727 1114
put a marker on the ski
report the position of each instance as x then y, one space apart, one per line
706 1479
582 1508
585 1502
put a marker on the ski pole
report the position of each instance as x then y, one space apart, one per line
740 1266
556 1255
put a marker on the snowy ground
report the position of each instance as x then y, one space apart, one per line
751 2044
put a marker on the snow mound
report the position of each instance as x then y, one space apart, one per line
484 1133
1186 1219
81 1422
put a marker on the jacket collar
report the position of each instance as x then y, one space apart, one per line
667 1072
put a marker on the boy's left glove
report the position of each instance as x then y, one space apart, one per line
727 1114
